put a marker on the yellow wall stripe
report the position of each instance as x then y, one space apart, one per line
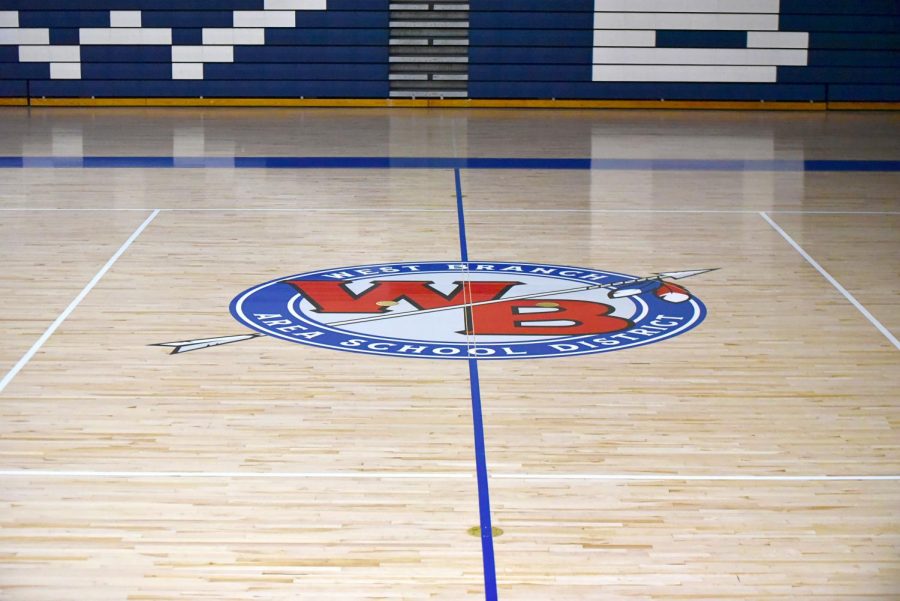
864 106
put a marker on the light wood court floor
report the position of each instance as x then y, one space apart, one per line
754 457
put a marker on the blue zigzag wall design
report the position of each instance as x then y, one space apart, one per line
771 50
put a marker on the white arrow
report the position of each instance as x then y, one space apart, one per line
619 289
185 346
680 275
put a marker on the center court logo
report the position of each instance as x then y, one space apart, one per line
484 310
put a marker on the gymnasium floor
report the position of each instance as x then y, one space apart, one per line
756 456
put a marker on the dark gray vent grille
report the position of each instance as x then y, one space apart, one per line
429 49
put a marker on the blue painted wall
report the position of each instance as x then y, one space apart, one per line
537 49
518 49
341 52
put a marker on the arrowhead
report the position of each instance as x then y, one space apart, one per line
185 346
680 275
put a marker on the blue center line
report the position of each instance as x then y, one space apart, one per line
304 162
484 501
461 217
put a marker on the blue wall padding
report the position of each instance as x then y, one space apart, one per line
517 49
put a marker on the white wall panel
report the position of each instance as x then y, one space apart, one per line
150 36
777 39
47 54
65 70
295 5
624 37
265 18
95 36
9 18
245 35
15 37
698 56
187 70
202 54
125 18
698 21
684 73
689 6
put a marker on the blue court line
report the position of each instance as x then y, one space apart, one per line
162 162
461 217
484 501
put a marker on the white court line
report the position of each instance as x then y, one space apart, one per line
259 475
887 333
687 211
68 209
312 210
242 210
75 302
825 212
27 473
692 478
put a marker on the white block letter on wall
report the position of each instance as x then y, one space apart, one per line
627 41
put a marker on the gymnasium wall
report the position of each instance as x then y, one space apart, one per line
718 50
193 48
793 50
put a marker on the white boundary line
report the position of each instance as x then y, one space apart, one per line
826 212
239 475
75 302
67 209
686 211
237 210
691 478
887 333
28 473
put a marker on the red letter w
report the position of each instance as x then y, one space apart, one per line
336 297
